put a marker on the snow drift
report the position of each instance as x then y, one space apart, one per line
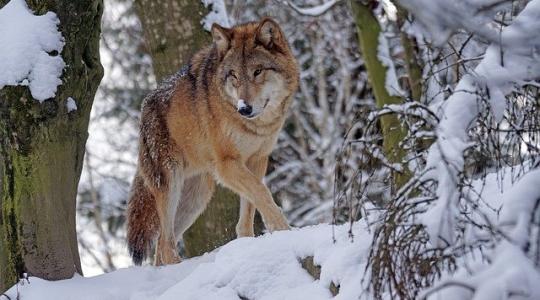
266 267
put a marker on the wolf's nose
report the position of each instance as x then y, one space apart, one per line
245 110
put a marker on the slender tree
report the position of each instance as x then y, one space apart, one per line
41 153
173 33
369 30
412 63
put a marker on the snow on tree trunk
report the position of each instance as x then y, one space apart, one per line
41 153
172 42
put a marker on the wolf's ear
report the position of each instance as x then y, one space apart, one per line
222 38
270 35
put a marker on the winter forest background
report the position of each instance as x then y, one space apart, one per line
416 125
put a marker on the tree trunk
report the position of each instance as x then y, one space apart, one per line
173 33
414 69
41 154
369 30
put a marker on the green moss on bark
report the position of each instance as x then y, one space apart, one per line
41 154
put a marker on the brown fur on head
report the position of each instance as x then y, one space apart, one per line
255 68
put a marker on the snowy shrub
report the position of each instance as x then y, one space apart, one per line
475 128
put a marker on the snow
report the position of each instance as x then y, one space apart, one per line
518 206
510 271
440 18
390 9
218 14
26 42
383 54
266 267
315 10
71 105
512 61
241 104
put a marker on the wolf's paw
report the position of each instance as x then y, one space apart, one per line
167 259
279 223
244 231
166 254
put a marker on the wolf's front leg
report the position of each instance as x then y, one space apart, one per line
244 227
258 166
233 174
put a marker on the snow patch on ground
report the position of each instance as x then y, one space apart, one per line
25 43
266 267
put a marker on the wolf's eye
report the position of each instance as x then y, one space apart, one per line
257 72
232 74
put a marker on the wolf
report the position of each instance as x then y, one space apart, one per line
216 120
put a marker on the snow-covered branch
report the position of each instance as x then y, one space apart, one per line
512 61
314 11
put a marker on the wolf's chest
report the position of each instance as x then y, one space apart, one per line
249 144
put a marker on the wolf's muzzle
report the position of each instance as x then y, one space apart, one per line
243 108
246 110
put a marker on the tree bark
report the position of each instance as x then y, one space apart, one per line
414 69
41 154
173 33
369 29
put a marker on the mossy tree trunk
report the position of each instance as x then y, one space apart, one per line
41 154
369 29
173 33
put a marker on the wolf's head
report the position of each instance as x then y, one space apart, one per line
257 73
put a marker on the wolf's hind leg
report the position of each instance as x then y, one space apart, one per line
166 204
197 192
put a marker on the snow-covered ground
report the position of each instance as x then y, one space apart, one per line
269 267
266 267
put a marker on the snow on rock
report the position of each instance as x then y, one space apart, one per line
25 43
217 14
266 267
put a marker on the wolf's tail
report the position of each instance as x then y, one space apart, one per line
142 221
